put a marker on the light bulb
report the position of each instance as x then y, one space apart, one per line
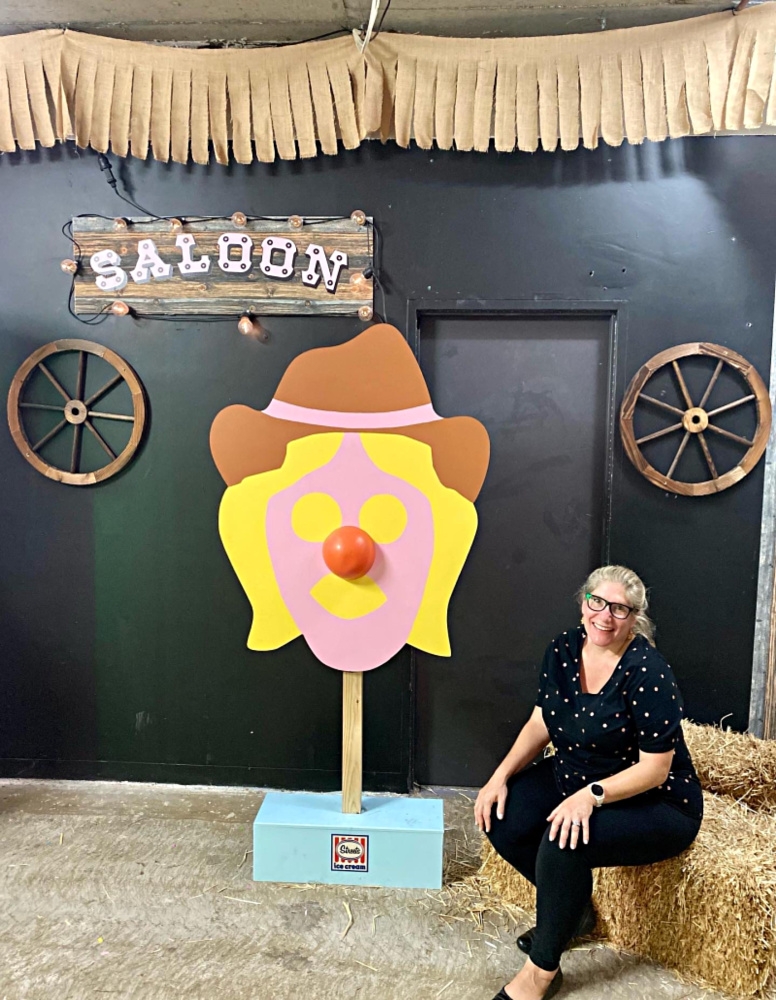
358 217
358 279
295 221
176 225
247 326
365 312
69 266
239 219
120 224
119 308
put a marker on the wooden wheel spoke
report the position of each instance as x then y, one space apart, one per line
710 386
731 406
54 381
81 381
101 440
657 434
47 437
76 450
707 455
682 385
110 416
661 404
678 455
729 434
40 406
101 392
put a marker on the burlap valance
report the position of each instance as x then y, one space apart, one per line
687 77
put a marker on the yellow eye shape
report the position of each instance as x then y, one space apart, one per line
315 516
384 517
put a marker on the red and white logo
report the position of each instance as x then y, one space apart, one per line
349 854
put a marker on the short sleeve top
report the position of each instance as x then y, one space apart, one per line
596 735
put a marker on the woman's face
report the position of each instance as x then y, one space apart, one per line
603 629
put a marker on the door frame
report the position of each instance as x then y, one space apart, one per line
762 699
615 311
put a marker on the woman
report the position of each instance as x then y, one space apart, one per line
621 788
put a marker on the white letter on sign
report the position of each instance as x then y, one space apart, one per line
318 259
187 265
287 248
105 263
149 263
245 243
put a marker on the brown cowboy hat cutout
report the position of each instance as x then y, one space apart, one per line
373 384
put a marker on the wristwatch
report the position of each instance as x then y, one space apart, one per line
598 793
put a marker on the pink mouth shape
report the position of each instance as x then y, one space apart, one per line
400 568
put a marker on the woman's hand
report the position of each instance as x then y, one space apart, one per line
571 816
494 792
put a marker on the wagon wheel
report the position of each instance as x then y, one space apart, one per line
76 412
695 420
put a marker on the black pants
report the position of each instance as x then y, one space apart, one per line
631 832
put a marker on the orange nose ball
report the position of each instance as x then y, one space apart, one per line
349 552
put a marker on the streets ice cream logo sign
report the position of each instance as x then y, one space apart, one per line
172 267
349 854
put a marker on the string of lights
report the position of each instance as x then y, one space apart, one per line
247 322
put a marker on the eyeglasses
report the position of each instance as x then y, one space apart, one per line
596 603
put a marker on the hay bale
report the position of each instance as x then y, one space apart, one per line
709 914
735 764
504 881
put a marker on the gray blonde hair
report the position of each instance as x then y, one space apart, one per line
635 595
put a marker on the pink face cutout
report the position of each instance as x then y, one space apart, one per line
400 568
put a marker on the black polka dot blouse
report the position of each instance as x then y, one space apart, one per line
597 735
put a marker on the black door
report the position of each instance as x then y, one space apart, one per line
540 384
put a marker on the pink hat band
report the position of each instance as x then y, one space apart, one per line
425 414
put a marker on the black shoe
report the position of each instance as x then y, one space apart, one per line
552 989
585 927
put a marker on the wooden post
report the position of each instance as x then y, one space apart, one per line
352 698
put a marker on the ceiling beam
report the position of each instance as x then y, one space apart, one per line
255 22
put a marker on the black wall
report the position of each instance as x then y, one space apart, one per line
123 626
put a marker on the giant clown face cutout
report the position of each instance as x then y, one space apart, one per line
310 486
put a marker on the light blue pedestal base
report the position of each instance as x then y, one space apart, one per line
395 842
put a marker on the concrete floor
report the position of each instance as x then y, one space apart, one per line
113 891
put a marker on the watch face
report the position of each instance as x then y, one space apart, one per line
597 789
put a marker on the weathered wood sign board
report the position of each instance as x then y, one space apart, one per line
216 267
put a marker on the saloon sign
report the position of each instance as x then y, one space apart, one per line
225 266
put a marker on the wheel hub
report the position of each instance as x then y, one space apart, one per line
695 420
75 411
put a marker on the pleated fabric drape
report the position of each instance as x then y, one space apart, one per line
681 78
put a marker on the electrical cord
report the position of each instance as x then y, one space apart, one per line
379 27
270 45
303 41
106 168
373 270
